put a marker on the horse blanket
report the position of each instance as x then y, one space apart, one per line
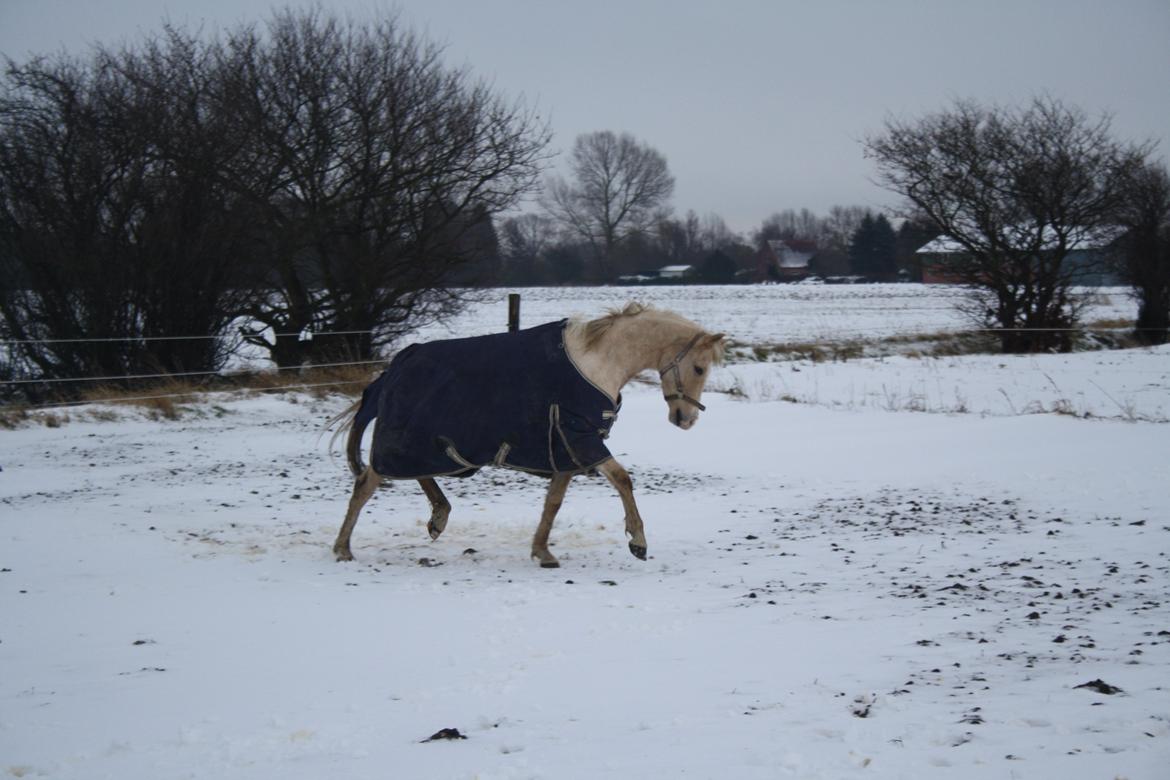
447 408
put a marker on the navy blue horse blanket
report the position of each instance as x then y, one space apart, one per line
447 408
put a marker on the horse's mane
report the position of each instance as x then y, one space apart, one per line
593 331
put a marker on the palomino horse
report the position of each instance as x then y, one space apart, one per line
541 400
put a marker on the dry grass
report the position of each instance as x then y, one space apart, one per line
12 417
171 399
1099 334
161 400
940 344
318 382
812 352
1107 334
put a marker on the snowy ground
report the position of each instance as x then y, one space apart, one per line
1120 384
836 588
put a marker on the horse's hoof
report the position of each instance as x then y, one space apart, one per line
638 550
434 530
550 564
343 555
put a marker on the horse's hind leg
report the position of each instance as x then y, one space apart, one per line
620 479
552 505
440 507
363 487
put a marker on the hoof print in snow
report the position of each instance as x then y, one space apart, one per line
427 562
444 734
610 583
1100 686
470 551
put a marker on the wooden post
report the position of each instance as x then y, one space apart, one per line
513 312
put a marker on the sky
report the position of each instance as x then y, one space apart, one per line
757 105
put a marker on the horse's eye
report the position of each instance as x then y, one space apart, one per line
699 370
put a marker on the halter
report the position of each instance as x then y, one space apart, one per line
672 367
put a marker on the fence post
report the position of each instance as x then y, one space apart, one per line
513 312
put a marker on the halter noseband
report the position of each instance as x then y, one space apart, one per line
672 368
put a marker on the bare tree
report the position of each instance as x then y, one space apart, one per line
714 234
1143 253
678 240
374 168
1017 190
832 232
692 238
619 187
526 239
317 175
114 226
788 225
837 229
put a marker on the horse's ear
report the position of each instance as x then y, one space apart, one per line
715 342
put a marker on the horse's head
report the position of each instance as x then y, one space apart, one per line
684 377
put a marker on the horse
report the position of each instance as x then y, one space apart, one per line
557 388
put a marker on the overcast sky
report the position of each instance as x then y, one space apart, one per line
758 105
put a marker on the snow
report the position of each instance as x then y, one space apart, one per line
765 314
1023 235
1128 385
845 586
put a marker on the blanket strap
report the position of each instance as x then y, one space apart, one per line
454 455
501 458
554 421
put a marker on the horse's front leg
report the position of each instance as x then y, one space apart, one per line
620 479
552 504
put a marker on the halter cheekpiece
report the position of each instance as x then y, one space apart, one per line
672 368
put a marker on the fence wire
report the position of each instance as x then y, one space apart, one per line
178 374
125 339
824 340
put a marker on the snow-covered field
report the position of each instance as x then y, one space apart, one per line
765 314
875 581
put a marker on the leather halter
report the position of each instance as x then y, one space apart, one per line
672 368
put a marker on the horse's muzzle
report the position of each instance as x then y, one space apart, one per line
682 419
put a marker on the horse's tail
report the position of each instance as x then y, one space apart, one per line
357 416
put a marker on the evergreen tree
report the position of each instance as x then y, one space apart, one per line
872 250
717 268
913 234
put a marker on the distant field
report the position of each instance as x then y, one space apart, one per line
763 314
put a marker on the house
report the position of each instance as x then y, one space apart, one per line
934 257
785 260
1088 258
640 278
675 271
